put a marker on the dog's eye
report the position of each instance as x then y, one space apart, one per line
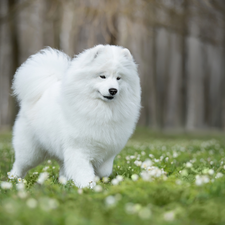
118 78
102 76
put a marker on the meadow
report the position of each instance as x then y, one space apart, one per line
158 179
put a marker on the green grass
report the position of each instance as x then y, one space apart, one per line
172 198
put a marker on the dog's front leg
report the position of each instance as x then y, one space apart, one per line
78 168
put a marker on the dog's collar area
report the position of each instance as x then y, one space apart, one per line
108 97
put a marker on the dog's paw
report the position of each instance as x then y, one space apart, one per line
85 184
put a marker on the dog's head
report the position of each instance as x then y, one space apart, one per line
104 72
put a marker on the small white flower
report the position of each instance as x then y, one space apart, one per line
145 175
6 185
143 153
49 161
11 176
114 182
22 194
211 172
19 180
146 163
80 191
169 216
178 182
105 179
96 179
218 175
110 200
200 180
42 177
145 213
129 208
20 186
175 154
62 180
137 163
35 173
45 168
134 177
188 165
98 188
119 178
31 203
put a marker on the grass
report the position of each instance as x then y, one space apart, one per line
180 181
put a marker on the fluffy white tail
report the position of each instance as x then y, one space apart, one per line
38 73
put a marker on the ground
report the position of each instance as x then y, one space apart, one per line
157 179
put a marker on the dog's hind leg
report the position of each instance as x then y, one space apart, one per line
27 153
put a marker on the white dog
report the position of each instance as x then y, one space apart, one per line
79 111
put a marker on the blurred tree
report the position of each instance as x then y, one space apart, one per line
179 46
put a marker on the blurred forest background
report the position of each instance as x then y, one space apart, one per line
179 46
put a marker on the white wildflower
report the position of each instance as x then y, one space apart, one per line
134 177
145 213
62 180
6 185
98 188
175 154
80 191
105 179
110 200
45 168
169 216
114 181
188 165
218 175
129 208
119 178
146 163
42 177
19 180
35 173
200 180
31 203
11 176
178 182
22 194
138 163
211 172
20 186
143 153
96 179
49 161
47 204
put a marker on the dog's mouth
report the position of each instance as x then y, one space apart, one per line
108 97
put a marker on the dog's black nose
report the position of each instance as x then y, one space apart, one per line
112 91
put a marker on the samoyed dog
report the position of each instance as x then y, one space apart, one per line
79 111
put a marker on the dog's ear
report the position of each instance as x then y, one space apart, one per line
127 54
97 50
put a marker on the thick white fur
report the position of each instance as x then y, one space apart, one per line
65 116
